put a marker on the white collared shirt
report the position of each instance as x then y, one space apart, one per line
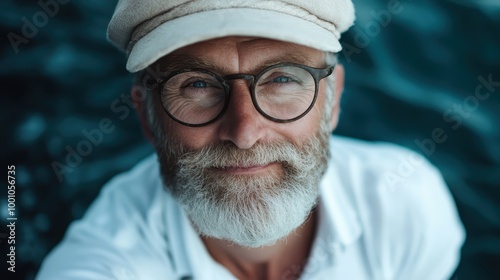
384 213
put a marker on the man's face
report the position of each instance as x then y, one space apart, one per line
245 178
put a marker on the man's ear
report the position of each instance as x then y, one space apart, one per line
138 95
338 73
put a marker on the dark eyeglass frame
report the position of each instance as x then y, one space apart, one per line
317 73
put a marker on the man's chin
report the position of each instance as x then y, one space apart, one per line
248 218
248 238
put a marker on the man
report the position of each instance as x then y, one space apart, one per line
239 98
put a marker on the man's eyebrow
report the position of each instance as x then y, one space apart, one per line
180 62
288 57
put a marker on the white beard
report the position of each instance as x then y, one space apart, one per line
249 210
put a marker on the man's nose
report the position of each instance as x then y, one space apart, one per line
242 124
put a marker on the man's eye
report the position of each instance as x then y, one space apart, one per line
199 84
282 79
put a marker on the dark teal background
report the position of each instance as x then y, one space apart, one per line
409 66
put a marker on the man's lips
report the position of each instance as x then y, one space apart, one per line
246 169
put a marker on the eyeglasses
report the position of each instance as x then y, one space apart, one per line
282 93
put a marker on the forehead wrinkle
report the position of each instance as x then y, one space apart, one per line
175 62
285 52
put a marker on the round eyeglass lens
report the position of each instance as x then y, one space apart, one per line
285 92
193 97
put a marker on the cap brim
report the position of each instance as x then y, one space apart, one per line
197 27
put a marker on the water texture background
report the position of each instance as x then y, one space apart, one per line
417 75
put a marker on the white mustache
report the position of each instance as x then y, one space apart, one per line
226 155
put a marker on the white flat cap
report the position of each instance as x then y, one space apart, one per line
150 29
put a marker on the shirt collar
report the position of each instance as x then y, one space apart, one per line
339 223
